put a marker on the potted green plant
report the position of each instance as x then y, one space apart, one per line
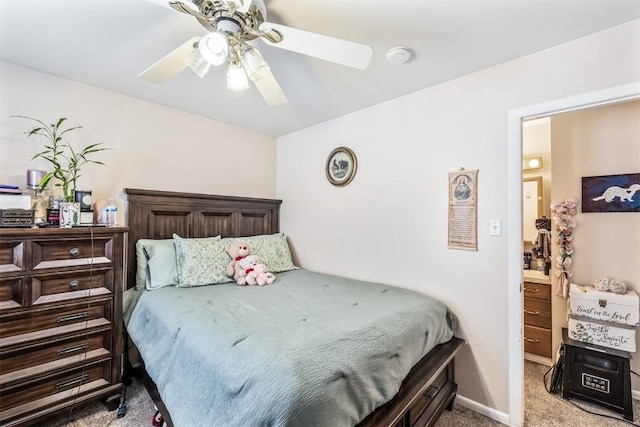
66 161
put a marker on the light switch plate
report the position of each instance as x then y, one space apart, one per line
495 227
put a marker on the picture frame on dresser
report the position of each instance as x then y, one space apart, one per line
60 320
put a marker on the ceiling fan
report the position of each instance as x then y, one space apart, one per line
231 25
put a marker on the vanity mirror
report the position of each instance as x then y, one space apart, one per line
531 206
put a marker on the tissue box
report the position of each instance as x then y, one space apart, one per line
606 334
587 301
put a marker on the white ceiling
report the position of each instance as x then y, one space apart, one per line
107 43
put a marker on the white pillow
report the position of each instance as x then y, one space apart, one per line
141 260
162 268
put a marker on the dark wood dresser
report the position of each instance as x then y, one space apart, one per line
60 320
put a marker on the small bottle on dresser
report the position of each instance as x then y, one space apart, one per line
112 213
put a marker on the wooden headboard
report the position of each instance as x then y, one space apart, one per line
159 214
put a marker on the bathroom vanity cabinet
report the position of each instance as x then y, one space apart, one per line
537 313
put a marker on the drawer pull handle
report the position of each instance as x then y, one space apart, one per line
74 252
71 382
71 317
74 285
535 291
73 349
432 392
531 340
533 313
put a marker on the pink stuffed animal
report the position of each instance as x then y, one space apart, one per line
253 272
237 251
262 276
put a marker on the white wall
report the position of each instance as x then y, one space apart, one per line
390 223
154 147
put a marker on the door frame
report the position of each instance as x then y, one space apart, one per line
611 95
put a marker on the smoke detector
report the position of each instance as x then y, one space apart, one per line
398 55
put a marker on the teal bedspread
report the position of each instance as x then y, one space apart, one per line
309 350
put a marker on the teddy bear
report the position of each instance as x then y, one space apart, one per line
254 272
261 275
245 275
237 251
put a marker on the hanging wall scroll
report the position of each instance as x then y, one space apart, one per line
463 210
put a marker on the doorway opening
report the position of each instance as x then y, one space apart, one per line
613 95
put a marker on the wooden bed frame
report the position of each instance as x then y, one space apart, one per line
428 389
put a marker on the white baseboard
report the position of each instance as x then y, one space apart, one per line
498 416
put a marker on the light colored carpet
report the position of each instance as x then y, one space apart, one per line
542 410
140 411
549 410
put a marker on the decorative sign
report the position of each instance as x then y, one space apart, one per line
611 193
593 331
463 210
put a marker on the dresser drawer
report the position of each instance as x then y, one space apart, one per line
537 313
537 291
12 294
31 356
423 401
12 256
41 320
47 288
63 381
537 341
71 252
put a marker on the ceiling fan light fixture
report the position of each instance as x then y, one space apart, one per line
214 48
254 64
196 62
236 77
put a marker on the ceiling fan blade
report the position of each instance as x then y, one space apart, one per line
344 52
270 90
171 64
244 6
188 8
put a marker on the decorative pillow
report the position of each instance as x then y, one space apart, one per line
161 262
272 249
200 262
143 248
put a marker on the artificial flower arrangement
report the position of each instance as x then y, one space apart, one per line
563 217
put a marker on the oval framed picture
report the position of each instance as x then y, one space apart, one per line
341 166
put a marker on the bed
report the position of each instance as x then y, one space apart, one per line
252 366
